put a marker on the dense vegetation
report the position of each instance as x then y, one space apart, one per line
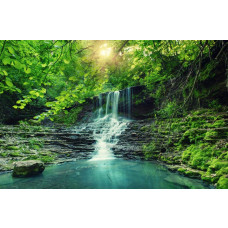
58 74
45 79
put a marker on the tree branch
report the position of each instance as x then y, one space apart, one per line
122 46
221 51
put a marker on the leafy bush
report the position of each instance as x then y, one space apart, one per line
168 110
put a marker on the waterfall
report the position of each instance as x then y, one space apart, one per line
115 104
109 127
107 103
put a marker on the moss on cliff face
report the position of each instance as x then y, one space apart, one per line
197 140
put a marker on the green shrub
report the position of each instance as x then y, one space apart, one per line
68 117
168 110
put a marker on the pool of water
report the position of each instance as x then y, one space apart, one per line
103 174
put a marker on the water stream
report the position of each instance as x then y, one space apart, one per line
103 170
107 127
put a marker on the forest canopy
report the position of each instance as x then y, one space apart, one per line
59 73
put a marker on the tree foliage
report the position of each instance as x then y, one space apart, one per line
61 73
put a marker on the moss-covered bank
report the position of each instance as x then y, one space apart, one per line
196 145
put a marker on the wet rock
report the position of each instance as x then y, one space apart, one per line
131 141
28 168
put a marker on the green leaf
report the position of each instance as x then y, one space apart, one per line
66 61
17 64
32 92
48 104
43 90
6 61
11 50
15 106
18 90
9 82
72 78
27 71
47 83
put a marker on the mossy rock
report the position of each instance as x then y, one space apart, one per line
4 154
209 178
222 171
194 174
12 147
181 170
15 154
28 168
2 141
217 165
47 159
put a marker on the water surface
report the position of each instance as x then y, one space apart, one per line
103 174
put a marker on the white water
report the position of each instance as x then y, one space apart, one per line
109 127
100 110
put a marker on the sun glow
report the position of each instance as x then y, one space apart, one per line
105 50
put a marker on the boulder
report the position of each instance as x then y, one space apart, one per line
28 168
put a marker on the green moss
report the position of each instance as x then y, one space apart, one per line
219 123
47 159
209 178
217 165
145 128
15 154
181 170
150 150
222 171
192 174
36 144
3 154
209 135
199 140
199 156
33 157
2 141
223 182
12 147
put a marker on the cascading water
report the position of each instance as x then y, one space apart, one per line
108 127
